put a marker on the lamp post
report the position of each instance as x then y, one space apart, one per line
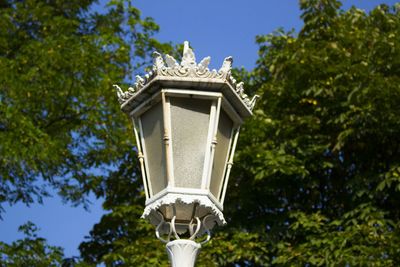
186 121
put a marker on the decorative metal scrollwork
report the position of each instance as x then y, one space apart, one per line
169 67
193 227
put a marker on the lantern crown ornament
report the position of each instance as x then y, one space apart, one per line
188 70
186 121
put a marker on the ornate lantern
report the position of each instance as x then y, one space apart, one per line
186 121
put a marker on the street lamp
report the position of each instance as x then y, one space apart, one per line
186 121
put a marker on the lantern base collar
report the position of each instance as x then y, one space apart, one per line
151 211
183 252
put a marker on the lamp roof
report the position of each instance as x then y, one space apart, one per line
167 72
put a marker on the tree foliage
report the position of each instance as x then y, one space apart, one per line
316 175
316 179
60 125
318 166
30 251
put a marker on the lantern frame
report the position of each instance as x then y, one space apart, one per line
187 195
188 80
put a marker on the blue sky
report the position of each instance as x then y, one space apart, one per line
220 28
216 28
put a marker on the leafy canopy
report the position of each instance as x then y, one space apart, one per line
318 167
316 179
60 124
30 251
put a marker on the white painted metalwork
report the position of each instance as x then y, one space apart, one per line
214 142
183 252
185 192
141 159
209 144
144 156
194 228
167 139
229 166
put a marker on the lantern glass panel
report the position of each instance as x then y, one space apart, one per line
190 118
152 127
225 125
183 212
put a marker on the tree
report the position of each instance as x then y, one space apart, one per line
316 179
60 124
121 238
30 251
319 165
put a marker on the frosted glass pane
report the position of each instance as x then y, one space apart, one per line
152 123
189 120
184 212
225 125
